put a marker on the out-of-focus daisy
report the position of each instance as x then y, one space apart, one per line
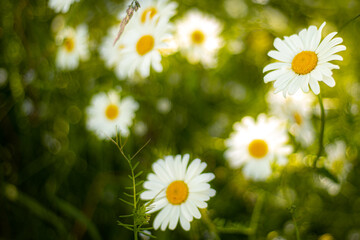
138 48
61 5
304 60
73 47
198 37
178 191
297 109
337 163
107 114
256 145
149 9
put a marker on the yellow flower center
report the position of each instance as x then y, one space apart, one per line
112 111
298 118
304 62
177 192
69 44
258 148
197 37
145 44
150 10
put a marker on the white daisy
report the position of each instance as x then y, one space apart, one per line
138 48
61 5
304 60
198 37
178 191
109 52
297 109
73 47
337 163
107 114
256 145
152 8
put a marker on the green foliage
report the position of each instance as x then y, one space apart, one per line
59 181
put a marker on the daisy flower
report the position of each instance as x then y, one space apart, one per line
61 5
152 8
297 109
73 47
138 48
198 37
178 190
304 60
107 114
337 163
256 145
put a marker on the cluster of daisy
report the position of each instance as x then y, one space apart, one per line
303 60
176 188
147 37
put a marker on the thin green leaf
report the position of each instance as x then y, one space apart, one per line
127 202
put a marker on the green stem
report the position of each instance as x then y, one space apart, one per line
209 223
135 202
322 128
296 226
255 217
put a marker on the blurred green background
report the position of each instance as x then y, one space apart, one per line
58 181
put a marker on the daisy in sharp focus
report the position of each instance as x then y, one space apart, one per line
107 114
198 37
256 145
73 47
178 190
297 109
304 60
61 5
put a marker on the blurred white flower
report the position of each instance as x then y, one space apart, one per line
3 76
149 9
73 47
337 163
178 190
297 109
138 48
107 114
304 60
256 145
198 37
61 5
163 105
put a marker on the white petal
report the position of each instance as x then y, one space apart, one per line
185 212
282 47
277 65
314 85
185 224
161 216
325 42
168 218
272 76
329 81
174 218
305 83
147 195
193 209
279 56
157 205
